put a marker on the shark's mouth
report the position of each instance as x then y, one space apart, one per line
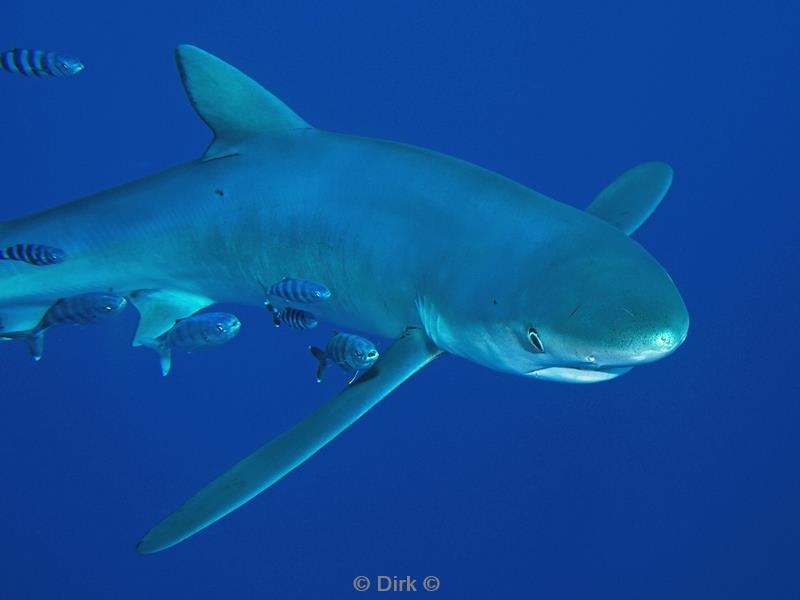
578 375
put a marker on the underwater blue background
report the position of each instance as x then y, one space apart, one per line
680 479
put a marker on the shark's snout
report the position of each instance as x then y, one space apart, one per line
622 335
663 327
614 324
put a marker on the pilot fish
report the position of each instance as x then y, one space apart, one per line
35 254
298 319
299 291
351 352
39 62
83 309
198 332
294 291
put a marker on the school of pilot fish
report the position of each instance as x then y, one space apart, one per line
201 331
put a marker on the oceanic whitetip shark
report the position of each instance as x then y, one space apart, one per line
433 252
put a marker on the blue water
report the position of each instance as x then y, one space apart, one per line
678 480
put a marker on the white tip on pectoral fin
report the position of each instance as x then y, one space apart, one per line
271 462
630 199
235 107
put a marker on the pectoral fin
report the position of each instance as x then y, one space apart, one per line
271 462
629 200
159 309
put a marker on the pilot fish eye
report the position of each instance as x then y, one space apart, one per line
533 336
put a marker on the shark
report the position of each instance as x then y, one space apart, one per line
434 253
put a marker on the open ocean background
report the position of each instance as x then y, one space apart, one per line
678 480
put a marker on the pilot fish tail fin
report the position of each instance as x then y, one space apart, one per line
271 462
35 342
165 359
164 351
33 339
322 357
235 108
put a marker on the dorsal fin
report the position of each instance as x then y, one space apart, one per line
235 107
630 199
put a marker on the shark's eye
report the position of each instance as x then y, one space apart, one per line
536 342
220 328
371 354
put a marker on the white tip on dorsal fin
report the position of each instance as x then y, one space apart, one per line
630 199
235 107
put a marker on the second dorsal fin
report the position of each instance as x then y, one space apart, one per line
235 107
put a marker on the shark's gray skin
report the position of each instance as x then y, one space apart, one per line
438 254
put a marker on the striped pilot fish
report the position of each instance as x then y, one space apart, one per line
34 254
294 291
351 352
39 62
298 319
299 291
83 309
192 334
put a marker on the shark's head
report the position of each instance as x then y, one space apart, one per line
608 311
586 309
